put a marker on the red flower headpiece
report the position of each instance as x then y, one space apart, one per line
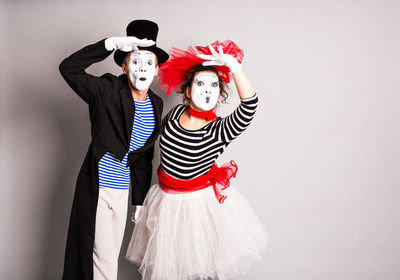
173 72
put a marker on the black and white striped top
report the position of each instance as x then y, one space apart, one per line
186 154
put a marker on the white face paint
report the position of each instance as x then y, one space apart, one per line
205 90
142 69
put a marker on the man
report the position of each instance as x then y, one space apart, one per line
125 121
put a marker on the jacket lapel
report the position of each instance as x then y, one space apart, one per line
129 110
156 109
128 106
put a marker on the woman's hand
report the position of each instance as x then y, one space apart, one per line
127 44
220 59
244 86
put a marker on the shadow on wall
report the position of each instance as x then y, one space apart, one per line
58 134
69 121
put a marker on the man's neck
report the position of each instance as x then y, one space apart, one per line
139 95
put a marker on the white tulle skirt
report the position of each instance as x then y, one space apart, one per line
192 236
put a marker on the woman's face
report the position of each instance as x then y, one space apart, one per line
204 92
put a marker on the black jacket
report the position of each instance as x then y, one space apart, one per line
111 109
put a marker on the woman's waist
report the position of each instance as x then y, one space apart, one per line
185 171
217 177
182 181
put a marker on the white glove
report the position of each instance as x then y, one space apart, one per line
220 59
136 214
126 44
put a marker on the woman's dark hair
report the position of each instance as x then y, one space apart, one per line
187 83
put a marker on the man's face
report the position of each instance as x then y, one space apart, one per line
142 66
205 90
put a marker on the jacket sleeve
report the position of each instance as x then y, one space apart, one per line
90 88
141 173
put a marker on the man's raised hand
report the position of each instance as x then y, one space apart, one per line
127 44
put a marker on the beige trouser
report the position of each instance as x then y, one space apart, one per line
111 214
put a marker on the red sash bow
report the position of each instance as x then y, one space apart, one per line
218 177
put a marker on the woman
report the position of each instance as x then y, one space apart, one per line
190 227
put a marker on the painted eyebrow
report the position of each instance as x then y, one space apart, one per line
149 54
138 54
216 78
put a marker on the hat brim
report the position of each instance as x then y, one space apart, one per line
162 56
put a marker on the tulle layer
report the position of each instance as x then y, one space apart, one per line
173 72
191 236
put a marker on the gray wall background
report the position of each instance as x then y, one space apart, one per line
320 163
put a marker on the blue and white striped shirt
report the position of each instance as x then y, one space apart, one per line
114 173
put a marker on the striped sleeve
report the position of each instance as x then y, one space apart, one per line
234 124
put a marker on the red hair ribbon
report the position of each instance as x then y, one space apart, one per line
173 72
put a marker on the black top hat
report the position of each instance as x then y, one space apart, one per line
142 29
